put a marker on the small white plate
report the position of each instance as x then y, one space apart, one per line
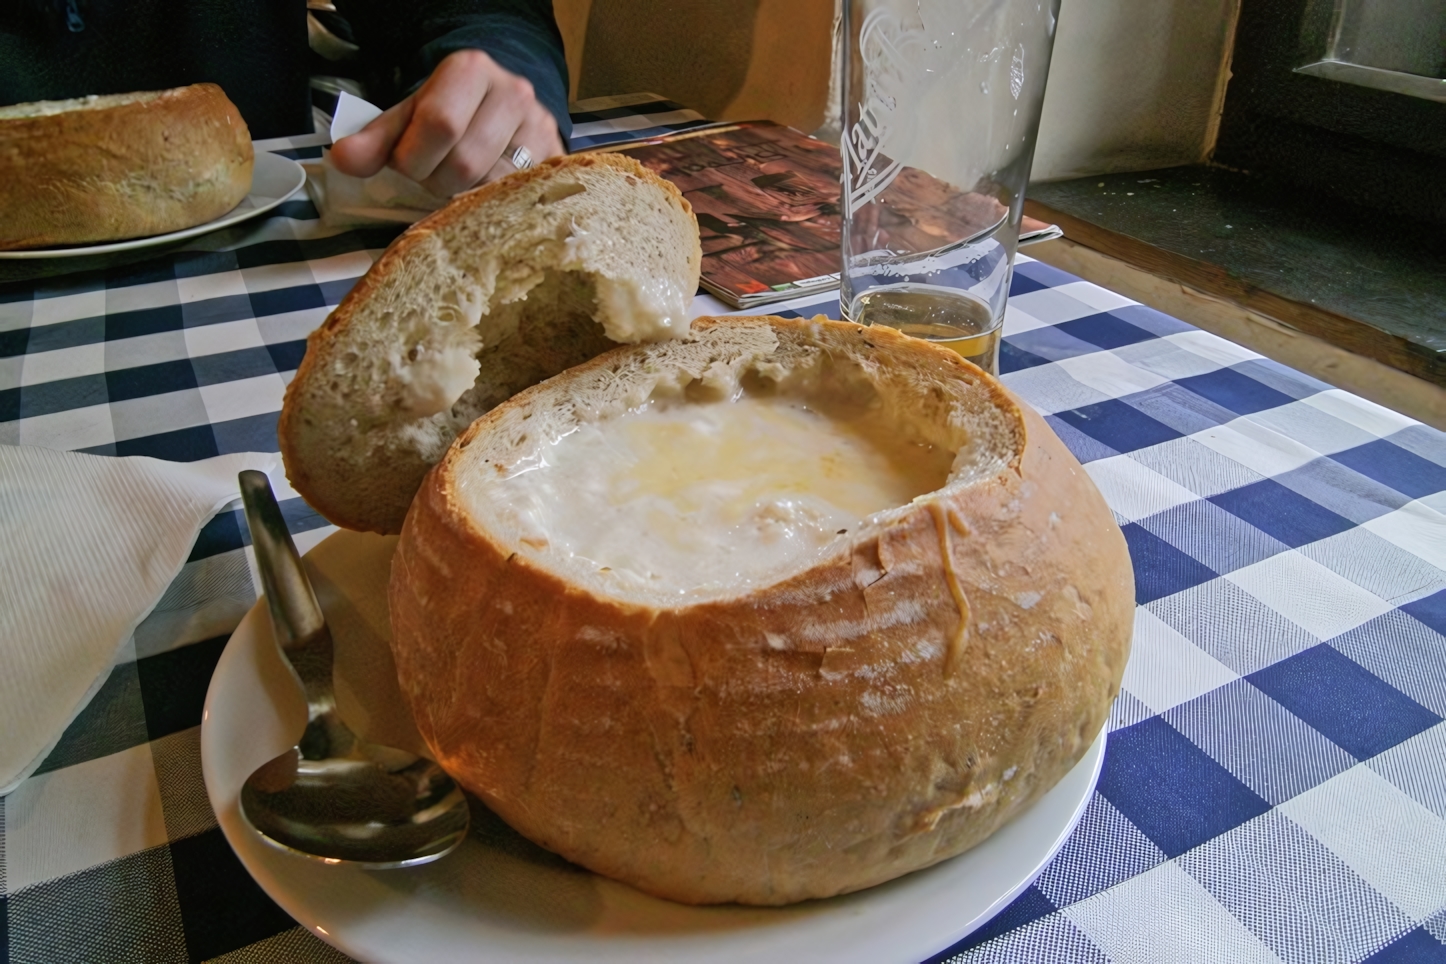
273 179
499 898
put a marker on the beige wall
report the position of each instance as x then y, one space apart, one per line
1134 84
572 21
729 59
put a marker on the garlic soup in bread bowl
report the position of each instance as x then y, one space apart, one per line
780 611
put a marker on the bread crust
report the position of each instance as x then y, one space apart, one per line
375 497
108 171
849 724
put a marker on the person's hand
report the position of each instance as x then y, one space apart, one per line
458 130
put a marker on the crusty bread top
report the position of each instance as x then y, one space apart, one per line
508 285
49 108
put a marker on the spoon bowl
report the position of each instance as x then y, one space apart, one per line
334 796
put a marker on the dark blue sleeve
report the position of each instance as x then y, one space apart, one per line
521 35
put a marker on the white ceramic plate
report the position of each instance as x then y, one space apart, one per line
273 179
499 897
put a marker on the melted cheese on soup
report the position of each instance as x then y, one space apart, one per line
688 496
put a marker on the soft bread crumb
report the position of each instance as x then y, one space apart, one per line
641 309
434 380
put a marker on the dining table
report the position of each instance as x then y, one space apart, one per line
1274 777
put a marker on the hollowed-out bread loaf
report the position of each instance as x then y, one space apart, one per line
507 285
105 168
885 704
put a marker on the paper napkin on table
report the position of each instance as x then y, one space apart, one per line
88 543
345 201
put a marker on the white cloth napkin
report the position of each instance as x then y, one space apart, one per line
88 544
385 198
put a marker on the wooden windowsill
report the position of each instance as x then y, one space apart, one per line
1374 288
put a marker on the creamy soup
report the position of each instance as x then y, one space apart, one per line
697 496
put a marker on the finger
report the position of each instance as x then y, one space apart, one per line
538 134
441 117
366 152
549 137
497 171
493 128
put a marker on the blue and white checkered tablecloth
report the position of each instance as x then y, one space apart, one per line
1274 785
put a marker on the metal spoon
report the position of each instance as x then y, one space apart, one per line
334 796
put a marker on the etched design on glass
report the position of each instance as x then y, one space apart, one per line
890 53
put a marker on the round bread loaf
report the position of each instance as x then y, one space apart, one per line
104 168
883 704
507 285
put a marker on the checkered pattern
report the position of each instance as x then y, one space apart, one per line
614 120
1274 785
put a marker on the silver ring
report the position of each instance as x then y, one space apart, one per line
521 158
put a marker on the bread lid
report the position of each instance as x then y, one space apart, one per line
508 285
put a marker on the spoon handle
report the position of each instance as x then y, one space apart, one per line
295 615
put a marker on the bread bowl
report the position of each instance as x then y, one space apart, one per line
794 726
104 168
507 285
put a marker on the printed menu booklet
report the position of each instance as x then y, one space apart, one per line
767 202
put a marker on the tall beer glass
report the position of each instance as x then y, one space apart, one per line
941 102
